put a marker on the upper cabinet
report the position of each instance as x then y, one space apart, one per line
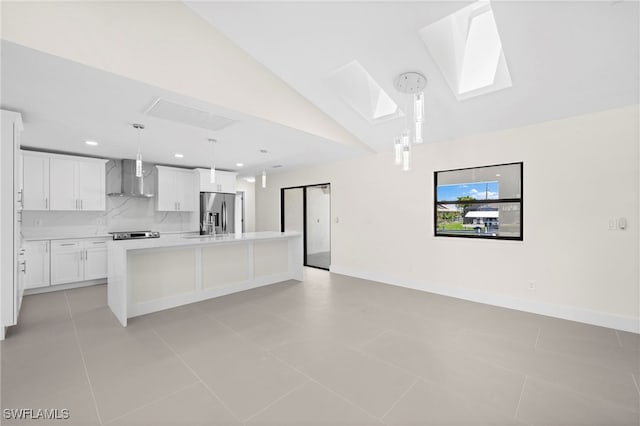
63 182
35 181
176 190
225 181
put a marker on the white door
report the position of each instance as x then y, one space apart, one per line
95 259
66 262
37 264
62 184
91 185
166 198
186 195
35 182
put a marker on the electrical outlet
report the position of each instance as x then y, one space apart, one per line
532 285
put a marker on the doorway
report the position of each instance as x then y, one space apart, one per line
307 209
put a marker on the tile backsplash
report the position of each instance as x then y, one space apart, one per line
121 214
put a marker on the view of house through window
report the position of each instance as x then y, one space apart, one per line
479 202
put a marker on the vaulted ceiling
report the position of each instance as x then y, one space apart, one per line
88 70
565 58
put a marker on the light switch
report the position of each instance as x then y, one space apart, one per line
612 224
622 223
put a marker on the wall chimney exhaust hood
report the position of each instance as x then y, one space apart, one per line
121 179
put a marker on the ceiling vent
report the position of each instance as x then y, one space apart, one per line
172 111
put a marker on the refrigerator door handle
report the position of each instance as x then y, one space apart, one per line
224 216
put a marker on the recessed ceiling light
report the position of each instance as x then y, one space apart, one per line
178 155
239 164
498 175
91 143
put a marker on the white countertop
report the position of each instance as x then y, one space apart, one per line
62 237
72 236
178 240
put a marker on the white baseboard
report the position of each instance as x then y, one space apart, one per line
30 291
571 313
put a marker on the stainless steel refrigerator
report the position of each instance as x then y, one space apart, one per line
217 213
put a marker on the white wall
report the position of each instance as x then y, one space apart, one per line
249 204
578 173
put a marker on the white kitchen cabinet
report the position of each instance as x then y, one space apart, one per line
78 260
95 259
225 181
66 262
36 264
176 189
77 183
62 182
35 178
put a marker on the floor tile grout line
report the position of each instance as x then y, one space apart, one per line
524 382
148 404
535 345
328 388
297 369
275 401
560 385
84 363
400 398
635 382
215 395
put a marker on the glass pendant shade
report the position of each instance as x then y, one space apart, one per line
264 179
397 150
418 138
139 164
418 106
406 154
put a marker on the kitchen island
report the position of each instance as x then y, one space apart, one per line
150 275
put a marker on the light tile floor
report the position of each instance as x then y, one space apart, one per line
331 350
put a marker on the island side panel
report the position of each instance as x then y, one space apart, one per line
296 261
224 265
271 258
117 282
161 279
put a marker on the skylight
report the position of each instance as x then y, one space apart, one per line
467 48
361 92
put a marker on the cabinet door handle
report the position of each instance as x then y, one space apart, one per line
86 254
20 196
46 203
46 248
81 204
68 244
98 242
24 263
19 220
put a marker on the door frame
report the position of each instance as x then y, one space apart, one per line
304 218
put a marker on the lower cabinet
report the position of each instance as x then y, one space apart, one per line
36 264
78 260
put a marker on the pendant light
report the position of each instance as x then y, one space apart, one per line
406 152
139 128
264 178
418 115
410 83
397 150
212 171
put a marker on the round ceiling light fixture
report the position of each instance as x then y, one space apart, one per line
410 82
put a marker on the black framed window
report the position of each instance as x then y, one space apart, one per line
479 202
